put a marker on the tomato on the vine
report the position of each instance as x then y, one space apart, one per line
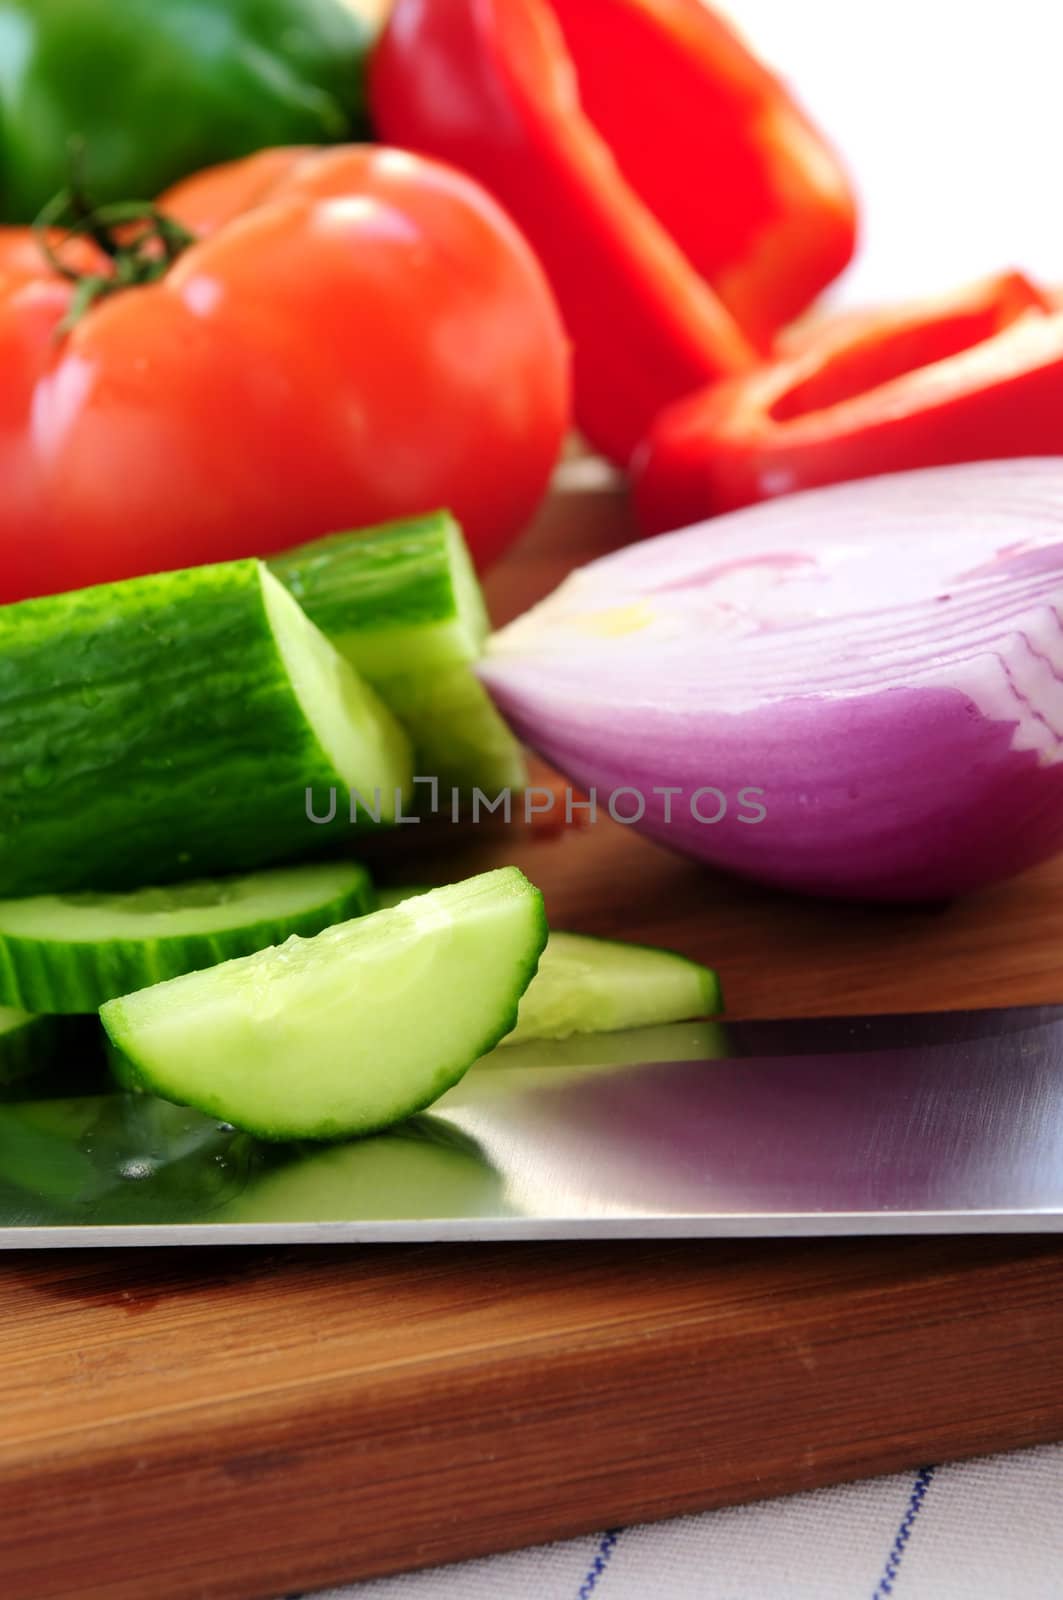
354 335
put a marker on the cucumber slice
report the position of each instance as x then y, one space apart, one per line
70 953
347 1032
403 604
588 985
171 726
662 1041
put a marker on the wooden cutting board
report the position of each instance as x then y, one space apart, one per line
249 1423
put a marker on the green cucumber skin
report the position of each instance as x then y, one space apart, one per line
402 603
366 588
148 732
73 979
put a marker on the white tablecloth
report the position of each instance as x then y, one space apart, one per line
977 1530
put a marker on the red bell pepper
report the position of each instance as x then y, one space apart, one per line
683 206
974 375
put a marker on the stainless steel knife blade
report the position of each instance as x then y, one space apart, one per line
947 1122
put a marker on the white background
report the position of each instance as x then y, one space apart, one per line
950 116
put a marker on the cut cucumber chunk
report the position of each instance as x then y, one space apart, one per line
587 985
347 1032
395 895
70 953
173 726
402 597
458 735
403 604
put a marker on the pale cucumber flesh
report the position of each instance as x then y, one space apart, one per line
404 605
458 736
589 985
350 1031
71 953
358 734
388 895
695 1040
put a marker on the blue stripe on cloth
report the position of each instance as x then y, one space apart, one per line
606 1545
922 1483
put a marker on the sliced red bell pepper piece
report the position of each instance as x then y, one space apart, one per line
977 374
680 201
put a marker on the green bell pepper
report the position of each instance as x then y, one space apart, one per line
151 90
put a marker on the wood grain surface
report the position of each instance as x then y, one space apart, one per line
253 1423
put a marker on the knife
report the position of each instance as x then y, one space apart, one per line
947 1122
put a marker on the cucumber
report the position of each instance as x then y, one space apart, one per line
347 1032
401 597
403 604
588 985
70 953
663 1041
391 895
171 726
458 736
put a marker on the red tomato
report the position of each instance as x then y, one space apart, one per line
357 335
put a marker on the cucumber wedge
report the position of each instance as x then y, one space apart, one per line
588 985
350 1031
171 726
70 953
458 736
661 1041
403 604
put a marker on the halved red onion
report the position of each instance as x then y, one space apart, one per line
882 660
